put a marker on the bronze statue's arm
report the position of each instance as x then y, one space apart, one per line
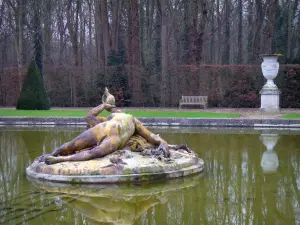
92 117
152 138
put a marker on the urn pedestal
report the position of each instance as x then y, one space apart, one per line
270 93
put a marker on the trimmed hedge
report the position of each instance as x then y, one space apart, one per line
241 93
290 91
82 87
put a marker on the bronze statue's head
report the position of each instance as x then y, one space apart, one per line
108 98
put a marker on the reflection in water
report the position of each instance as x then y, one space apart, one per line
269 160
234 188
118 204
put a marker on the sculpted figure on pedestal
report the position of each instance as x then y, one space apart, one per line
107 134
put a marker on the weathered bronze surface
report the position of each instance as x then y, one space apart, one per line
106 135
118 148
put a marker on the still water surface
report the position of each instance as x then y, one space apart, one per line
243 182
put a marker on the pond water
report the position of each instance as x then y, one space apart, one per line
243 182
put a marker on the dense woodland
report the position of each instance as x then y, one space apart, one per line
149 52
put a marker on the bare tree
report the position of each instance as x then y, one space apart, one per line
134 57
17 11
298 38
240 33
149 31
98 36
260 13
269 27
213 33
289 30
163 7
105 29
197 31
73 10
61 28
47 12
115 21
226 52
250 31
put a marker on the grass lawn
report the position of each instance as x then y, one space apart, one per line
136 113
291 116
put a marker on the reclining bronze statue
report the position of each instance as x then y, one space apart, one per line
106 135
116 148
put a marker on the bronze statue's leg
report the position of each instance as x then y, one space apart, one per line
107 146
84 140
152 138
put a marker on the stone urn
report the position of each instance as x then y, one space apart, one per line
270 92
269 160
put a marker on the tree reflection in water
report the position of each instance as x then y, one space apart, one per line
233 189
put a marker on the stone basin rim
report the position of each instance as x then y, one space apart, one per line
107 179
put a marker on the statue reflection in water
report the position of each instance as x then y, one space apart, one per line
269 160
116 204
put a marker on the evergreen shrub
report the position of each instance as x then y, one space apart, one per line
33 94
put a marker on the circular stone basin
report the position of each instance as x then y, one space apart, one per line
121 166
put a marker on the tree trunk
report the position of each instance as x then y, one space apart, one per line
203 22
269 27
98 36
141 31
289 31
73 24
61 30
134 59
257 32
17 10
298 39
90 39
194 32
219 33
115 28
105 29
149 27
226 52
240 33
20 38
294 31
47 29
2 14
250 31
165 53
82 37
197 33
212 40
185 33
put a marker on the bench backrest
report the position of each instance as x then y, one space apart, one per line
194 99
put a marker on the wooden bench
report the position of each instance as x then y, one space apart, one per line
193 100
